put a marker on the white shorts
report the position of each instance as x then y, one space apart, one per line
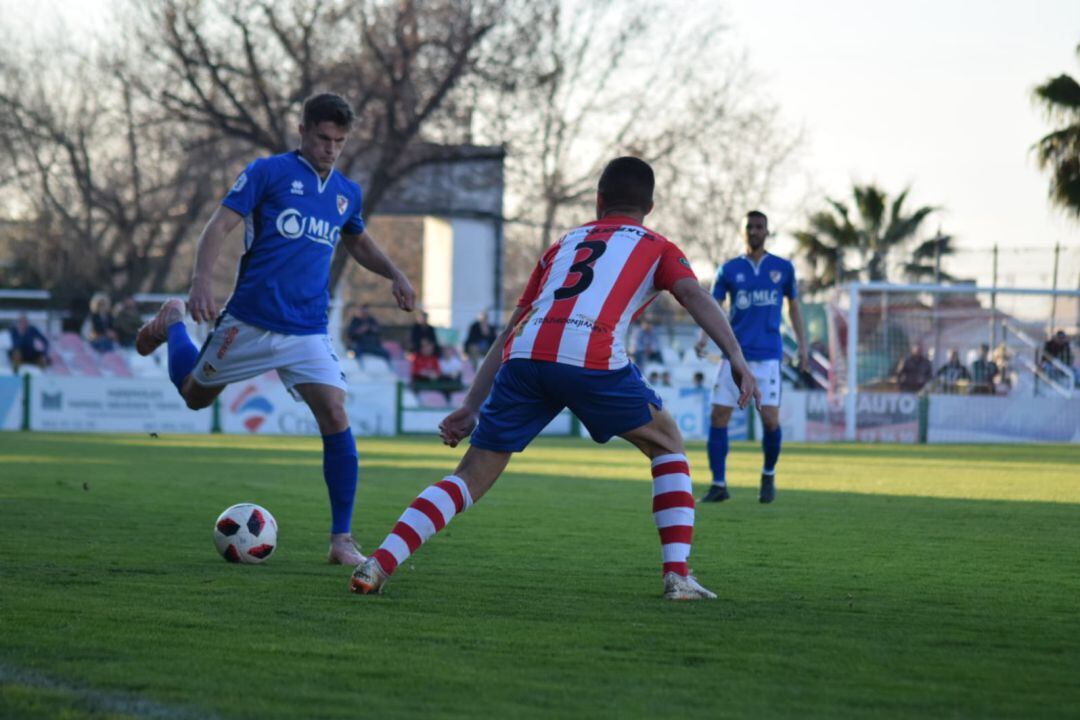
767 374
237 351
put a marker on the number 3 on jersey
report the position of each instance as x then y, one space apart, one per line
583 268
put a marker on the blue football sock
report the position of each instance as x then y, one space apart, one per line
718 450
770 444
340 471
182 354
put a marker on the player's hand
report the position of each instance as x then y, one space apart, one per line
457 426
201 303
699 347
403 293
747 385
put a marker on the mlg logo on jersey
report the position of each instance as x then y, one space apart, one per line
293 225
757 298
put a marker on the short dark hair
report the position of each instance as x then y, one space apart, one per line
627 182
758 213
328 107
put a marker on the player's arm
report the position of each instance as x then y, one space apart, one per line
795 316
201 303
460 423
708 315
368 254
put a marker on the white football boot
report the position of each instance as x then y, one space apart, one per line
368 578
685 587
154 333
344 550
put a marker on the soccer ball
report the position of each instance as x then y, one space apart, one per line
246 533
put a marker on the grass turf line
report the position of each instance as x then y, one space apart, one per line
890 581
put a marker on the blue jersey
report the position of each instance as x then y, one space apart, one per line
293 220
757 295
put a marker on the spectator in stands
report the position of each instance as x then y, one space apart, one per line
425 365
952 372
665 379
480 338
126 321
364 335
450 369
28 345
914 371
1001 360
699 380
654 379
984 372
1056 348
101 334
646 345
422 330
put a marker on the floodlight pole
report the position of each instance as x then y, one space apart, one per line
1053 298
993 301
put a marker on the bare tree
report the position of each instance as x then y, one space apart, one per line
653 79
243 68
109 199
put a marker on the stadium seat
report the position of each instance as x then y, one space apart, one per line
670 356
402 368
431 399
468 373
113 363
84 365
458 398
375 366
71 343
394 348
409 399
57 366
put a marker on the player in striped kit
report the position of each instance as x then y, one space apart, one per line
563 348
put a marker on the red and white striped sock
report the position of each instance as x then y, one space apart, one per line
673 510
429 513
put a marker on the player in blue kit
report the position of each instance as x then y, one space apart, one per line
757 284
296 210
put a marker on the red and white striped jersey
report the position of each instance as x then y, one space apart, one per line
588 287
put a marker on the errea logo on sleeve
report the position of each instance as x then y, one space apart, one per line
240 183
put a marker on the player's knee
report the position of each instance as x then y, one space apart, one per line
197 403
332 419
720 416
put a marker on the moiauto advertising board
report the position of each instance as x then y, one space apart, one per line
112 405
11 402
879 417
262 406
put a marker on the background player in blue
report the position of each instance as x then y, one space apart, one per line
757 283
296 210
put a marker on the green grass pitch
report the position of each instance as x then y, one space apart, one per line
885 581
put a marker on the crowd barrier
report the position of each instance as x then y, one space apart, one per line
262 406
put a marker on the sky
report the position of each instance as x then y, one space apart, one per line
934 95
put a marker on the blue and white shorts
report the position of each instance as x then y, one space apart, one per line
528 394
237 351
767 373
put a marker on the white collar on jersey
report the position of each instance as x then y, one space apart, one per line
322 182
756 265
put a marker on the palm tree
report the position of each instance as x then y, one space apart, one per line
878 228
1059 152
